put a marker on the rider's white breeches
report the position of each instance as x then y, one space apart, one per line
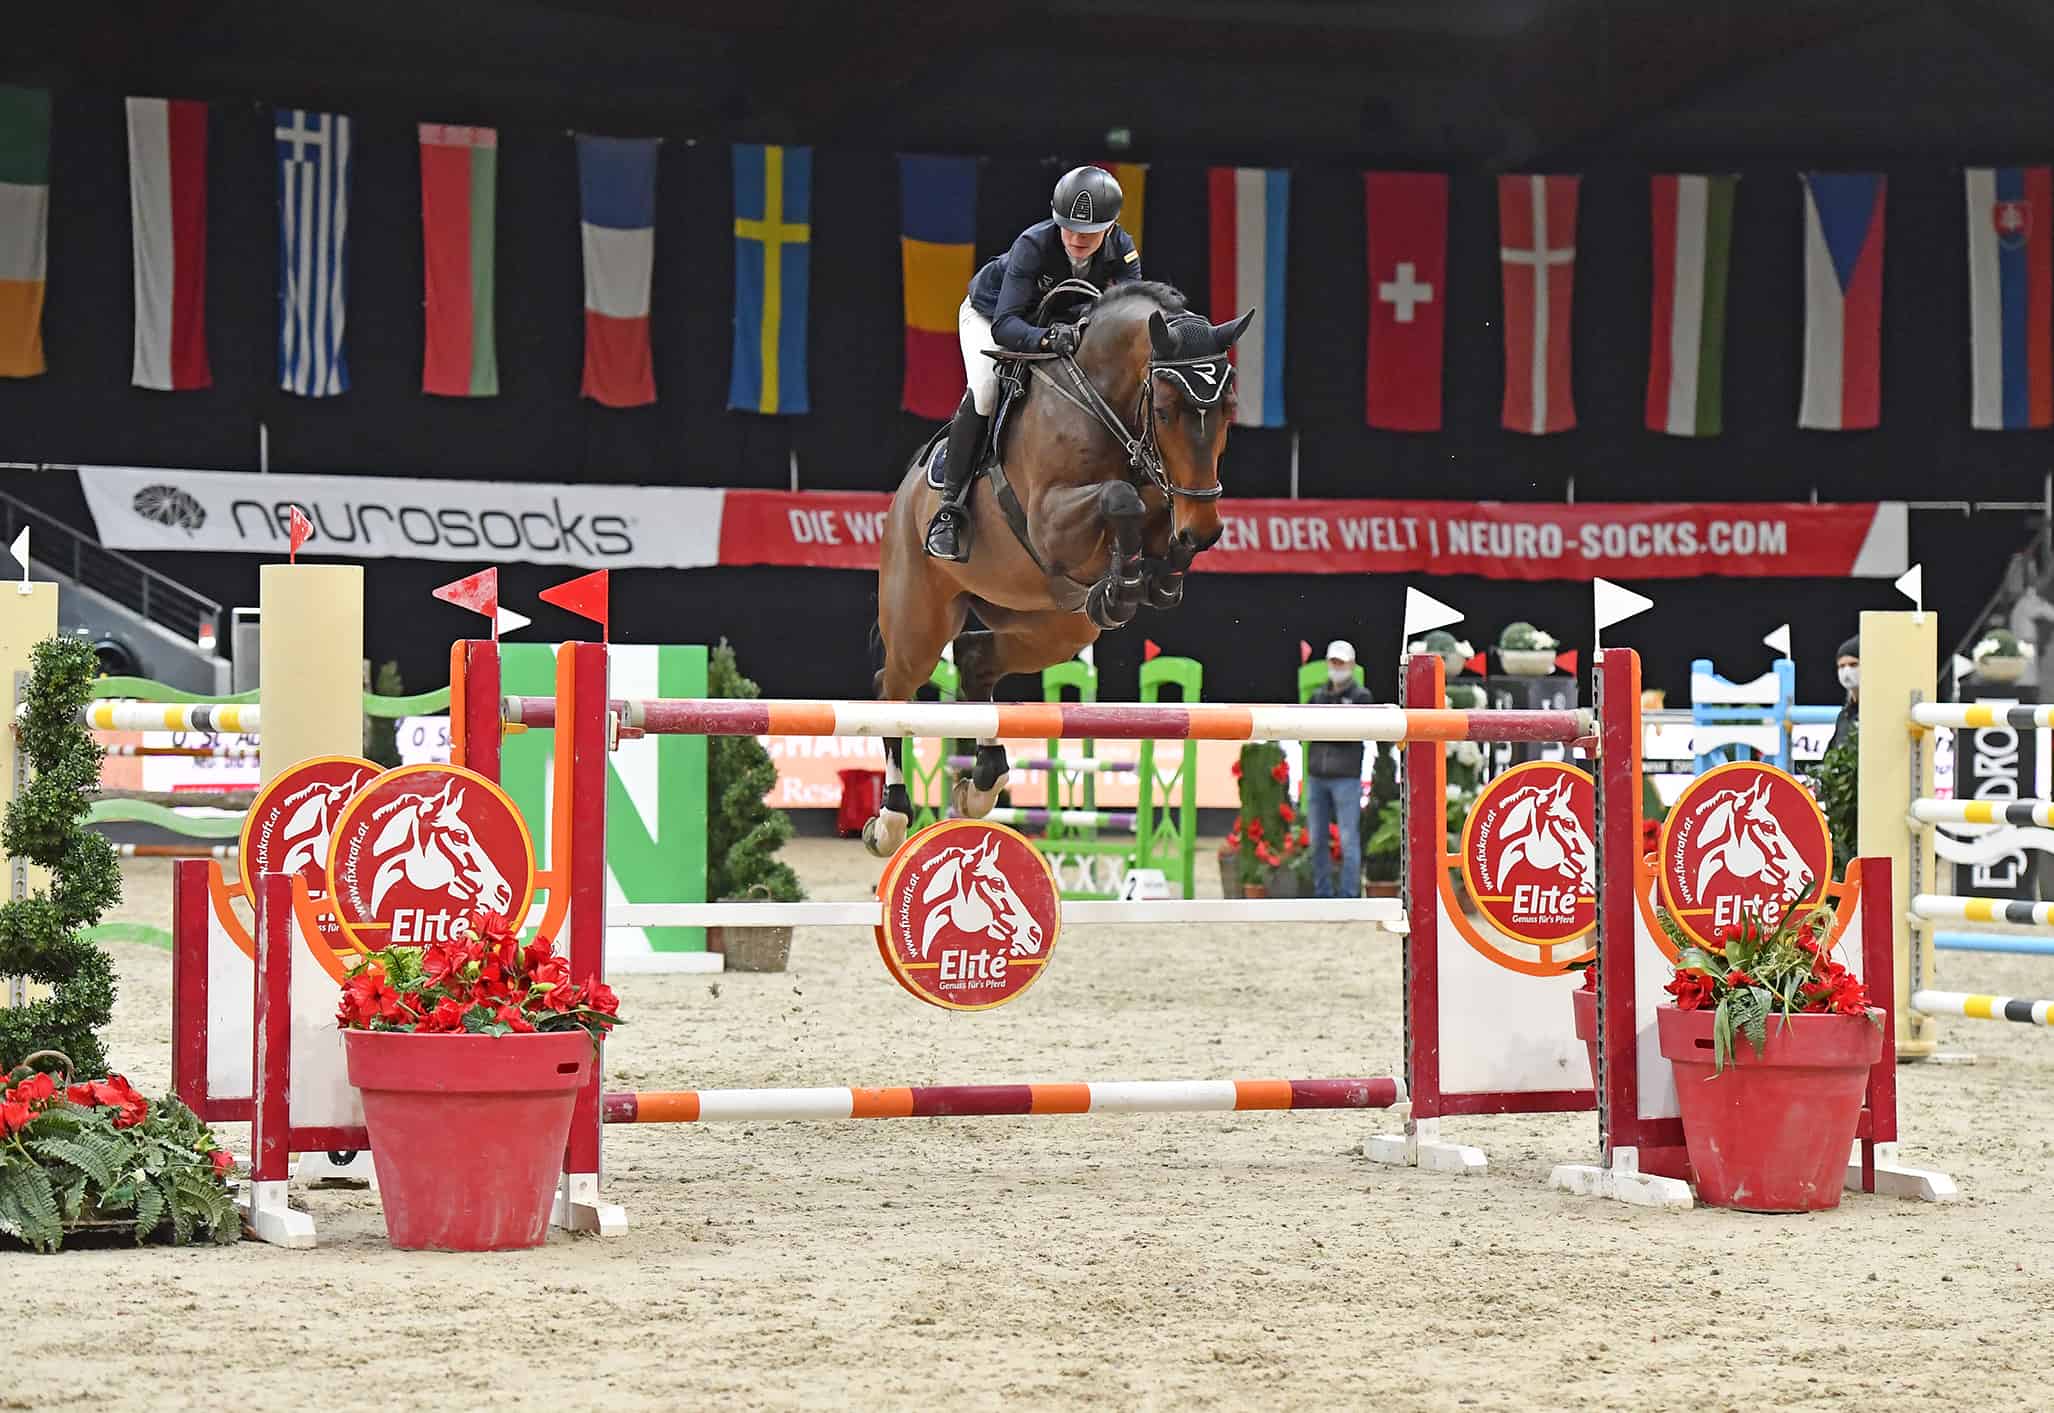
975 332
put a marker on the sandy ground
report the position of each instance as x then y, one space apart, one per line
1208 1261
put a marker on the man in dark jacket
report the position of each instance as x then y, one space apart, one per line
1078 242
1333 784
1849 668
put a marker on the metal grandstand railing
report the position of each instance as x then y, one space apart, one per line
135 586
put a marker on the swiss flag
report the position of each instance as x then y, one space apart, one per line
1537 252
1408 297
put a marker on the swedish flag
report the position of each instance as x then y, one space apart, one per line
773 254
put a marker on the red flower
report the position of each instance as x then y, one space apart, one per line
14 1116
440 962
1255 829
1237 770
448 1016
1290 815
1737 977
36 1089
1280 772
223 1160
599 997
1692 989
562 997
510 1016
1590 977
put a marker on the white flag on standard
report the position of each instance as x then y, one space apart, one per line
313 231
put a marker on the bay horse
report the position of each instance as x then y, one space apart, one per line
1112 508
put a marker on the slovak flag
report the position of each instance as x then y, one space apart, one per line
2010 294
1251 208
1843 301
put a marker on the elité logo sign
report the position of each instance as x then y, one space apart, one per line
1743 840
1527 854
971 915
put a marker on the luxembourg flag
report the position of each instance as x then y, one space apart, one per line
2010 291
1843 300
1251 209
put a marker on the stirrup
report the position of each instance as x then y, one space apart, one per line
948 534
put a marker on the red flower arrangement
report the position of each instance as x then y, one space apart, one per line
1759 969
486 984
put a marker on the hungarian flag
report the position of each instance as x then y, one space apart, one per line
937 223
2010 221
1693 235
1843 300
617 191
1251 210
1537 258
459 195
24 226
1133 180
1408 285
167 204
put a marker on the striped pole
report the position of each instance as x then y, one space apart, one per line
1068 819
1077 765
195 752
1071 720
2035 812
869 912
1970 716
957 1101
176 851
1948 908
1972 1007
1993 942
168 716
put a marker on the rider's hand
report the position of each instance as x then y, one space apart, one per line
1062 338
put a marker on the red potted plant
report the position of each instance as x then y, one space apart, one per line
1771 1041
469 1056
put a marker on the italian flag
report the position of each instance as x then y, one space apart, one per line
1693 235
459 185
167 202
24 226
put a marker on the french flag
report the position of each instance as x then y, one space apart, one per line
1251 209
617 193
2010 291
1843 301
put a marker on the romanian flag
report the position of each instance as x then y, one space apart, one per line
459 186
773 259
2010 296
1843 300
1133 180
24 226
167 202
937 225
617 190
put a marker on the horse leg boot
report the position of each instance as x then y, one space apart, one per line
1165 576
885 831
973 795
1115 599
948 534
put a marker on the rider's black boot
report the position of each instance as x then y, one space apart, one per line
948 534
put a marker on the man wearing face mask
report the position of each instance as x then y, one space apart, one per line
1850 682
1333 784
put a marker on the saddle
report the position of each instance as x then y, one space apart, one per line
1015 371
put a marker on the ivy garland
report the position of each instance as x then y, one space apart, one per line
40 935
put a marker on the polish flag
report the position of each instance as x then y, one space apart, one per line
167 200
1537 256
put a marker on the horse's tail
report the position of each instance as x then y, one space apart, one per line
876 642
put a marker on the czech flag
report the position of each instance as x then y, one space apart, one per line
1251 209
617 190
2010 218
773 254
937 226
1843 301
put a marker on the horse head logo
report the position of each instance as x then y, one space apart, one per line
423 840
1541 830
973 895
1741 836
308 821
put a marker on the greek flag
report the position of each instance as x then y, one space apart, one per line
313 223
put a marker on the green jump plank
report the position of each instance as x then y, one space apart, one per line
143 812
145 690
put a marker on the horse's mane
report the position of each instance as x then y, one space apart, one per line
1167 298
1189 329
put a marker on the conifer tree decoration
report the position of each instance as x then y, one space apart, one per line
743 834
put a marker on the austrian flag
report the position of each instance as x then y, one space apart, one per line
1537 255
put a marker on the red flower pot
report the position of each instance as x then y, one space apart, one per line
1585 1005
468 1132
1771 1133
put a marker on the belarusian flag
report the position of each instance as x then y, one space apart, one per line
459 185
24 226
167 202
1693 236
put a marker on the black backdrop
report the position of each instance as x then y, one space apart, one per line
802 632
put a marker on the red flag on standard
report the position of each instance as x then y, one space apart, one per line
1537 254
1408 263
298 528
477 592
588 596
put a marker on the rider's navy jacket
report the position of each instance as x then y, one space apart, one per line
1010 285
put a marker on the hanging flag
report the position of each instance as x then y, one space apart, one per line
617 189
1133 180
1693 234
1408 287
1843 300
313 227
1251 208
773 263
24 226
167 203
1537 258
937 225
2010 235
459 198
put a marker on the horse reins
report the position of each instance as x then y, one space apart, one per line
1142 452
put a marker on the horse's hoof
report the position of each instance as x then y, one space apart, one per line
1105 610
1165 591
966 801
884 833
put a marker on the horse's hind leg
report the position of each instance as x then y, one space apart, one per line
1018 643
915 632
977 665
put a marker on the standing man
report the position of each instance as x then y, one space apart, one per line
1848 666
1333 783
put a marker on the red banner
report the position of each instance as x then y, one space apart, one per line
1492 539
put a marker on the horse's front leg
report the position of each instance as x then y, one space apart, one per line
1165 576
1115 599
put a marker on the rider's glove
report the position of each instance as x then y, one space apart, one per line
1062 338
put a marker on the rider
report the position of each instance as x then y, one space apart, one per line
1079 241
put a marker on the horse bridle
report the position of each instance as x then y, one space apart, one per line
1214 370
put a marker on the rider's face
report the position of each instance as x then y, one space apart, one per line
1082 246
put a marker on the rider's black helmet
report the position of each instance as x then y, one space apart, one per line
1087 199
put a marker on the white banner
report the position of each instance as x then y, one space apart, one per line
592 526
